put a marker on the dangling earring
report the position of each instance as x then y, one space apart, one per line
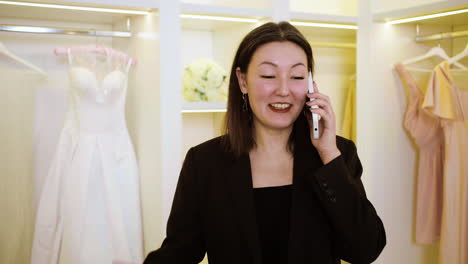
245 108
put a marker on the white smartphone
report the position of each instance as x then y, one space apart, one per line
315 117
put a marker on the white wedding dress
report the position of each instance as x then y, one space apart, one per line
89 207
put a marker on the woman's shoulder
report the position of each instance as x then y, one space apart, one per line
213 147
210 155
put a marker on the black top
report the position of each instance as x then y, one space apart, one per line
272 207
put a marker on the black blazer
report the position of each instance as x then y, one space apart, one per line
213 210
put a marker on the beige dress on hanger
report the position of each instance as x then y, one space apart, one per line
447 98
348 127
426 131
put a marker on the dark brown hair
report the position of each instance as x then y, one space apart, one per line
238 122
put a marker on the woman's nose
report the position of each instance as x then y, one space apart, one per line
283 88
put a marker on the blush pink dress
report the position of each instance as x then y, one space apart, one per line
426 132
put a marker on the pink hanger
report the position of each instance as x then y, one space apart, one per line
96 49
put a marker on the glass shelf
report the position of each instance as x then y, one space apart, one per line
203 107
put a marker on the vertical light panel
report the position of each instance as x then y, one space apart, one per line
170 100
144 121
363 97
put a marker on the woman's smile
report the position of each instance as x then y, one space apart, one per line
280 107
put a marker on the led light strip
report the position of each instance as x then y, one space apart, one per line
95 9
65 31
412 19
220 18
324 25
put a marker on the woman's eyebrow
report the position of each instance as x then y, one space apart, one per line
275 65
268 63
298 64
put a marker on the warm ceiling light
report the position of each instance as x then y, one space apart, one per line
67 31
27 29
411 19
324 25
95 9
220 18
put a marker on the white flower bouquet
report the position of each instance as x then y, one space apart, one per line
203 80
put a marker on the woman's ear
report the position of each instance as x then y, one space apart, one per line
241 78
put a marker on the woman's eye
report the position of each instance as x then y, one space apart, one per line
298 77
267 76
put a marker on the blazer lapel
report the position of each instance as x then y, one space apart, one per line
306 156
239 182
306 160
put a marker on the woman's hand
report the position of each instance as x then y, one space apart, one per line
326 143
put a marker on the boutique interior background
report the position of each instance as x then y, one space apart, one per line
388 155
166 38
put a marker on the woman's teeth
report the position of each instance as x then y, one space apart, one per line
280 106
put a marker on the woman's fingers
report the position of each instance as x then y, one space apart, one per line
320 102
315 87
318 96
323 104
325 115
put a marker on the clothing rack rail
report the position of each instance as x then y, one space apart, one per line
64 31
440 36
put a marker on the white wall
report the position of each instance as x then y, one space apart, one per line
386 5
200 127
233 3
170 118
459 44
331 7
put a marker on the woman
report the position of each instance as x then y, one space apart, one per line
267 191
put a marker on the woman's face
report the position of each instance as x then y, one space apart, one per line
276 83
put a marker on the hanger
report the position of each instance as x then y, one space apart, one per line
435 51
458 57
96 49
6 52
